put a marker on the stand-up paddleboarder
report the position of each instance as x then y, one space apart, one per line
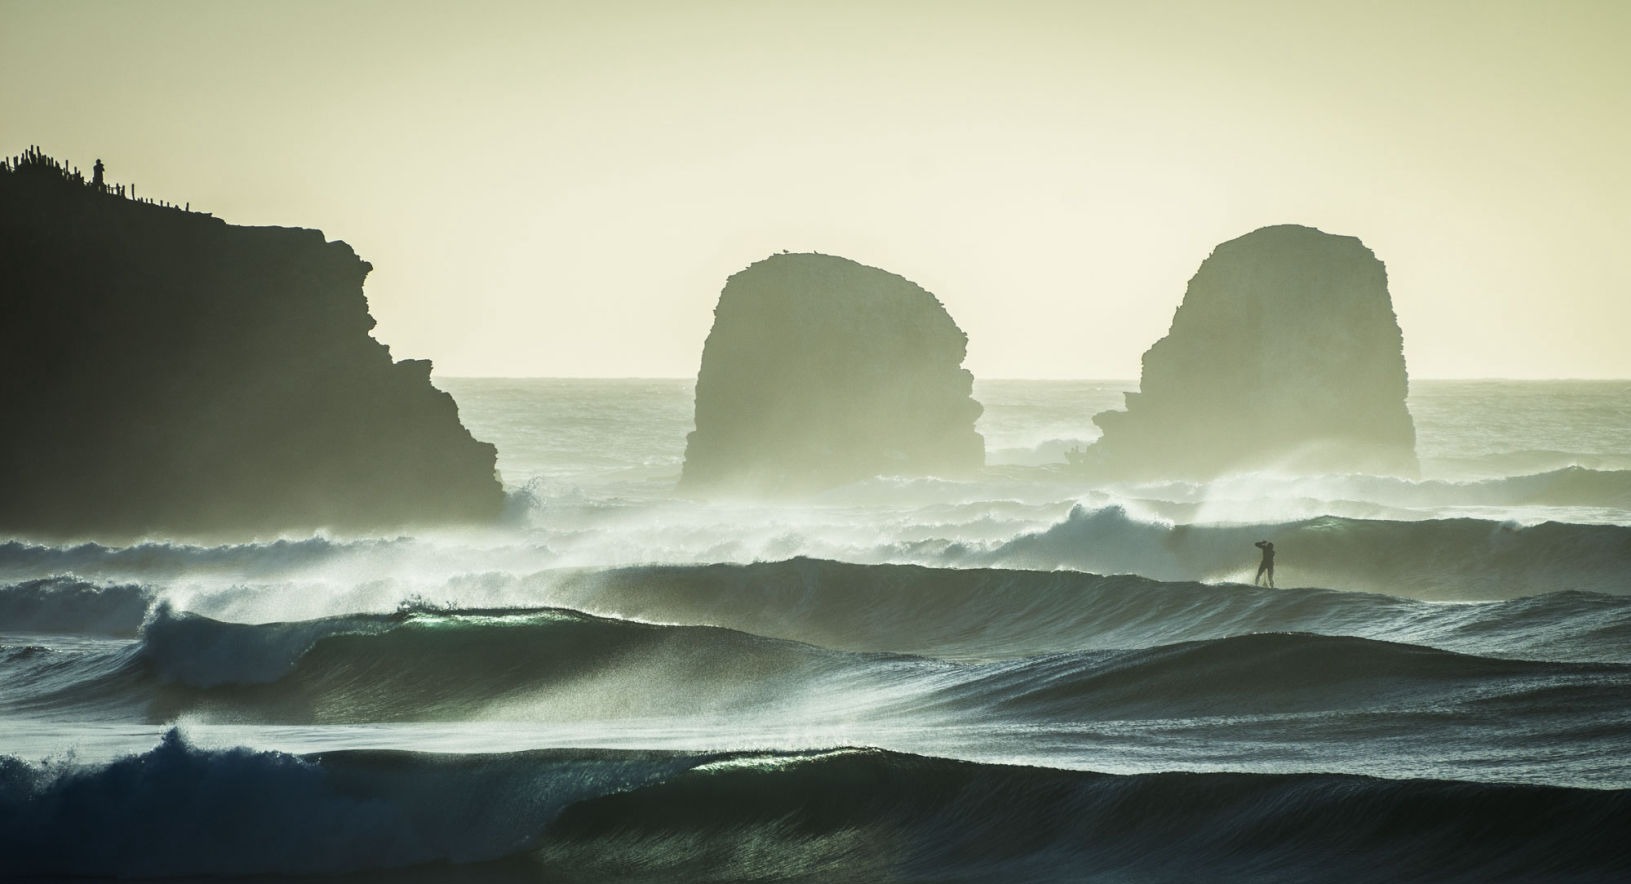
1267 565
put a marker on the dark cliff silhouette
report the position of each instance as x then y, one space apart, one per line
1284 354
162 372
820 371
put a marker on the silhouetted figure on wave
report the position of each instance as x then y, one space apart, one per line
1267 565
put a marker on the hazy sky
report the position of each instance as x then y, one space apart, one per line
562 189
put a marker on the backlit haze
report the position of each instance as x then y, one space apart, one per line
562 189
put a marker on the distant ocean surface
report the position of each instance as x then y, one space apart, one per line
1022 676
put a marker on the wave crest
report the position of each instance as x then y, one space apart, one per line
177 810
66 604
1465 559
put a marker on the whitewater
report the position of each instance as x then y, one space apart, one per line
1028 674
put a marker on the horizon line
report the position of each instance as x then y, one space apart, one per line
1099 380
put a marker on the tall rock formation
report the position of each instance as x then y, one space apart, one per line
162 372
821 371
1285 353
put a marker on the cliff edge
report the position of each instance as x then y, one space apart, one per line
820 371
1284 354
163 372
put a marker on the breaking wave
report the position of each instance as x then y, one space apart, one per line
856 814
71 605
515 664
1436 559
987 613
162 557
420 665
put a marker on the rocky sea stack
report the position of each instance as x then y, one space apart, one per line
163 372
821 371
1285 354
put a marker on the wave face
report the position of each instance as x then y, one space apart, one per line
440 666
182 811
990 613
1573 485
70 605
849 814
884 816
1440 559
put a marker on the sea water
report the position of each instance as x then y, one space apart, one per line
1021 674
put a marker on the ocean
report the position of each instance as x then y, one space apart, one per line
1025 675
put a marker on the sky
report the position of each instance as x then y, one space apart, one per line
562 189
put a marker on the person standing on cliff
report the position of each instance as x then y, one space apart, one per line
1267 565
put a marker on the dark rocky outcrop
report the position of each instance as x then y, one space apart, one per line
821 371
1285 353
162 372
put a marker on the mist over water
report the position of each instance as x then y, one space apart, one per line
1022 674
